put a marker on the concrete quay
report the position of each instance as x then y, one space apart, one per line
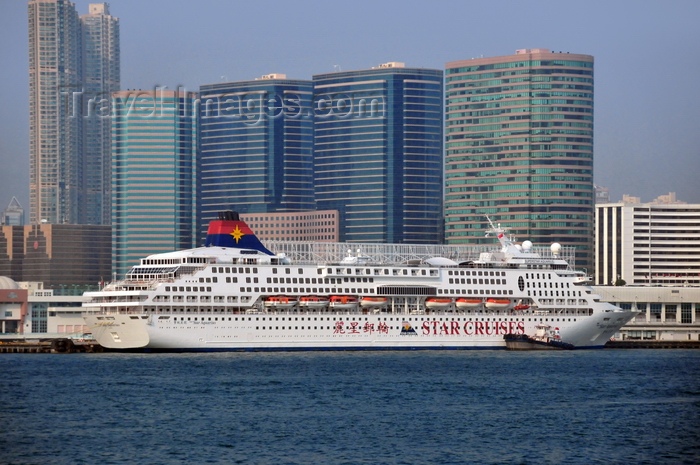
49 346
652 344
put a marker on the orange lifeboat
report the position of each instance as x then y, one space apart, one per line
521 307
497 303
373 302
468 302
313 301
438 303
343 302
280 301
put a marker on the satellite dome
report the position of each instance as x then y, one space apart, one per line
527 245
556 248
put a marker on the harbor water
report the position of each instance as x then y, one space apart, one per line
422 407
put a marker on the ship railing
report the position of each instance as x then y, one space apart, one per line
125 284
333 252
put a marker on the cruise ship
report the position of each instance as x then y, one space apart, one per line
235 294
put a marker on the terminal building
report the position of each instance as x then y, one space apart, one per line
651 244
667 313
27 310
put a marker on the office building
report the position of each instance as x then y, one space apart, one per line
154 143
69 258
312 226
73 65
602 194
647 244
255 147
11 251
378 152
13 214
519 148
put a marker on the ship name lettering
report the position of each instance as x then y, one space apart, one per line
472 328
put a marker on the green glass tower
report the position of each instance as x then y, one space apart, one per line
519 148
154 144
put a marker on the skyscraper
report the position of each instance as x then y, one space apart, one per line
55 144
13 214
69 73
519 148
255 147
648 244
378 152
154 143
100 55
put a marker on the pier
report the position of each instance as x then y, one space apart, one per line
49 346
652 344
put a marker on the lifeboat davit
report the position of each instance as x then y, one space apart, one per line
280 301
497 303
313 301
343 302
373 302
438 303
467 302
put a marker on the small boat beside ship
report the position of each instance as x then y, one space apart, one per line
545 338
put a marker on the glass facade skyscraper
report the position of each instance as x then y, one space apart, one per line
73 67
255 147
519 148
378 152
154 144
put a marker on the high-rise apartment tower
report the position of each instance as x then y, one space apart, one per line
73 66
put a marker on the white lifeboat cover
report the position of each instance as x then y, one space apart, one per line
440 261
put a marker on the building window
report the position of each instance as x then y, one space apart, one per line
686 313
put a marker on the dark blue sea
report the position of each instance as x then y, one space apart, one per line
424 407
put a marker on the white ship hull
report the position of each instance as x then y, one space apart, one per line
304 331
231 298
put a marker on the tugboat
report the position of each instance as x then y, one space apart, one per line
545 338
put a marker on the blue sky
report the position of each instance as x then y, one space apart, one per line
647 64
